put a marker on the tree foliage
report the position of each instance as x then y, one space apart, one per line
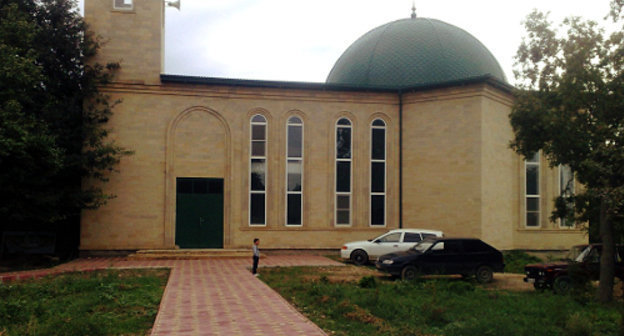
570 105
52 116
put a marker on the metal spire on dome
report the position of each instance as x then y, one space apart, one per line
413 9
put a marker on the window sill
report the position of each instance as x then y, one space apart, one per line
314 229
123 11
550 230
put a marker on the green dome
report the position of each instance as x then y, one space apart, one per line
414 52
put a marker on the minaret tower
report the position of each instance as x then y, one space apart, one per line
132 33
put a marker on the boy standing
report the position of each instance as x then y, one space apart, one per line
256 256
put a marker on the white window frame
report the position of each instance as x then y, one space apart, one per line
561 220
350 160
384 161
288 124
537 196
264 123
125 7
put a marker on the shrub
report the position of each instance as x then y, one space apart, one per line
460 287
515 261
578 325
434 313
368 282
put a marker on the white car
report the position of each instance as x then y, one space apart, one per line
360 252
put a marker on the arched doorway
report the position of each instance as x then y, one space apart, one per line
198 154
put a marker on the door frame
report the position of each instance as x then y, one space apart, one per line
170 176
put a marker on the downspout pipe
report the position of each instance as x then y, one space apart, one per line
400 159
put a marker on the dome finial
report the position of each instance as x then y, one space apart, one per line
413 9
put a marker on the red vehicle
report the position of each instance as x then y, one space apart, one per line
583 262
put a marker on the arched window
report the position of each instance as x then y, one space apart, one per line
378 173
294 171
566 189
532 191
343 172
257 171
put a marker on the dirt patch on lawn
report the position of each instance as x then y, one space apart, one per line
351 273
348 273
502 281
509 281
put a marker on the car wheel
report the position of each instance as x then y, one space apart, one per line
409 273
484 274
539 286
359 257
562 285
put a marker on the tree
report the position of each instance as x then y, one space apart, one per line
570 105
52 117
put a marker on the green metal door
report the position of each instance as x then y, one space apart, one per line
199 212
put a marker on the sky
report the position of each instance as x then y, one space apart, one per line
294 40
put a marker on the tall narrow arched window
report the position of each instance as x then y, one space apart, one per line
566 190
294 171
258 171
378 173
343 172
532 191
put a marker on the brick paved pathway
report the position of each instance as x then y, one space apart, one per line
212 296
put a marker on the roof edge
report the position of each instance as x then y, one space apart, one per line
270 84
485 79
319 86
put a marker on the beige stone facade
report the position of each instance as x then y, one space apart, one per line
458 173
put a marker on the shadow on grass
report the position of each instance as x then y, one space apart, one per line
26 262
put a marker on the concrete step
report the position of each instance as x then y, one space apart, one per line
178 254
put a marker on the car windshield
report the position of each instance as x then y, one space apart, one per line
583 253
423 246
574 252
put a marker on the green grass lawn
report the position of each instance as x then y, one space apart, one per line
111 302
379 306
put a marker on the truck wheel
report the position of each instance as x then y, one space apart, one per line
409 273
539 286
562 285
484 274
359 257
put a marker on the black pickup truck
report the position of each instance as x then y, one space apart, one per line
583 263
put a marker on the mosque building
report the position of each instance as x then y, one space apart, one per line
410 130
